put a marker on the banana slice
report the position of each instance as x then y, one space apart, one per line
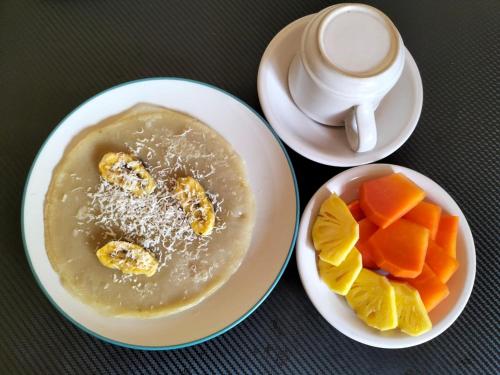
196 204
124 170
128 258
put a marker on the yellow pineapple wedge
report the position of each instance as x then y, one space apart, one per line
340 278
335 232
373 299
412 315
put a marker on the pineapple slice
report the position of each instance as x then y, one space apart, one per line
119 168
335 232
340 279
412 315
195 203
128 258
374 300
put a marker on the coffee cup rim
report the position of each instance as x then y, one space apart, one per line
341 8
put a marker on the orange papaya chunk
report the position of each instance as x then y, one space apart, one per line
431 289
400 248
446 236
427 215
440 262
366 230
386 199
355 210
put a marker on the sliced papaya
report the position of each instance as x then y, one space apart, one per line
427 215
431 289
400 248
446 236
386 199
440 262
356 211
366 230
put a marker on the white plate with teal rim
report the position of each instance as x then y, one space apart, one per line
272 180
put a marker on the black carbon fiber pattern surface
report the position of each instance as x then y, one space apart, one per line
54 54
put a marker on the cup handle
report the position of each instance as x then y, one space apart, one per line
360 128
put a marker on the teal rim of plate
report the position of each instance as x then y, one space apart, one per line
237 321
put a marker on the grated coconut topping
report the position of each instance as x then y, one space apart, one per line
156 221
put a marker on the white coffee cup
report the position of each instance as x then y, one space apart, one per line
350 56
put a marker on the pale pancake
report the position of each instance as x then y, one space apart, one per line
82 213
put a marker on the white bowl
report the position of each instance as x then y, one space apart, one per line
335 309
272 180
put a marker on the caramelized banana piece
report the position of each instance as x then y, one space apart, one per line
128 258
119 168
196 204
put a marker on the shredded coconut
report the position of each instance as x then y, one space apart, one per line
156 221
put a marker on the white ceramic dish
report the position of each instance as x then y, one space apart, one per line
335 309
276 208
396 116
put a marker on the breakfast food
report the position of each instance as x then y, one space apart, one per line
427 215
366 230
340 278
196 205
431 289
408 244
412 315
400 249
335 232
373 299
446 235
386 199
128 172
440 262
148 213
355 210
127 257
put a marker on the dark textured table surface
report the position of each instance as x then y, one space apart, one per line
56 53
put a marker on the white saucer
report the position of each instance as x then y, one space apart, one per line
396 116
